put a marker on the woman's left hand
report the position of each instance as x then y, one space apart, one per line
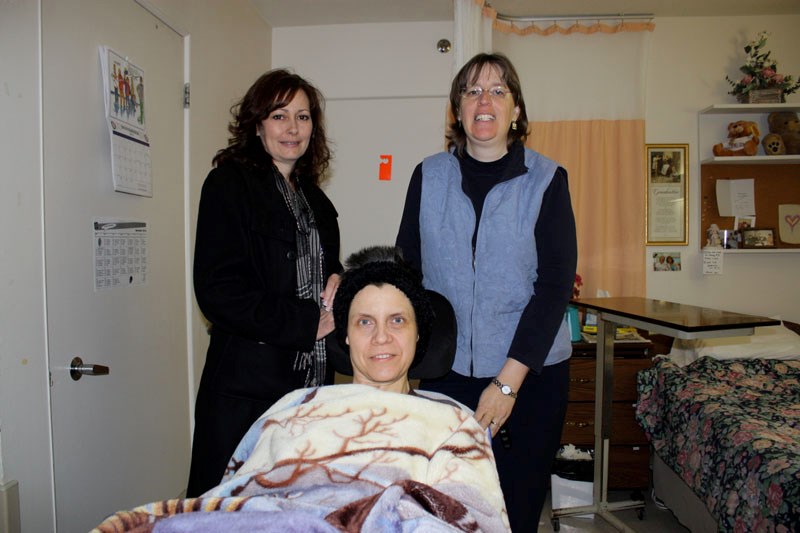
494 407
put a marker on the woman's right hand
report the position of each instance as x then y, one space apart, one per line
329 294
326 324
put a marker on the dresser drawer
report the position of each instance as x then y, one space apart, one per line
629 467
579 424
582 378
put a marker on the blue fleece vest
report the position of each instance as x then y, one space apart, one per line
489 292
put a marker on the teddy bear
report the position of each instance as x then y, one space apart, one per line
784 136
773 144
743 137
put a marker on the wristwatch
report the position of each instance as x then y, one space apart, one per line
505 389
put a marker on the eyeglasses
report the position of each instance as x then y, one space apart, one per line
474 93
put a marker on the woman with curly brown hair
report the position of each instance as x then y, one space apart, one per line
266 266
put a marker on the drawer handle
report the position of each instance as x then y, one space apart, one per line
581 380
578 424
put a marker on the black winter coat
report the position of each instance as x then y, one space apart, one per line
245 282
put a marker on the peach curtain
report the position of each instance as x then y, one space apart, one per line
606 181
584 96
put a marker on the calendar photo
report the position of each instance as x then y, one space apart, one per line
125 87
124 100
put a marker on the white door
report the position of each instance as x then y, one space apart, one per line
122 439
361 131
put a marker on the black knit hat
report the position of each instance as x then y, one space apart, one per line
378 265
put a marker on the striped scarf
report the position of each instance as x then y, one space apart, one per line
309 274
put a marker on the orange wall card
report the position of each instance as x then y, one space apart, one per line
385 168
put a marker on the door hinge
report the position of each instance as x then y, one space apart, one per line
186 91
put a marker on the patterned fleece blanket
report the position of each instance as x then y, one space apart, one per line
345 458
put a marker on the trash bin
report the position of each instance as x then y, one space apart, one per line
571 480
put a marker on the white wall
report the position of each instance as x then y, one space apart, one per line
689 59
386 88
368 60
231 46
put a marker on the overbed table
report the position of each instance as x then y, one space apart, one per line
658 316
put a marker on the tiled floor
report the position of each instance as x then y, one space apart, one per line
655 520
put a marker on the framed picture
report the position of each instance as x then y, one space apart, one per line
742 223
666 262
667 202
758 238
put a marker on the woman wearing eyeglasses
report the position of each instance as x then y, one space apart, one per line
490 225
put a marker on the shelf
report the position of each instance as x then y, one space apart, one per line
733 109
739 251
713 125
753 160
775 177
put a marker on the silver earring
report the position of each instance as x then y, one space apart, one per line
514 125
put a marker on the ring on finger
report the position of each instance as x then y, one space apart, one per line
493 423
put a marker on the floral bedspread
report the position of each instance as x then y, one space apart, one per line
731 431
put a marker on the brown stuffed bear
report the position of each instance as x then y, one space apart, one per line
773 144
743 137
786 126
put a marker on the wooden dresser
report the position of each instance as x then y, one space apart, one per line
629 456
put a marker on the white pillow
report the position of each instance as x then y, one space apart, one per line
681 353
770 342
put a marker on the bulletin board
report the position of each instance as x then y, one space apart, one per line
773 185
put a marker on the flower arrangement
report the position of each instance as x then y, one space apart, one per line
760 71
576 287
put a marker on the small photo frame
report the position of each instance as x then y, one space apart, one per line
758 238
743 223
666 262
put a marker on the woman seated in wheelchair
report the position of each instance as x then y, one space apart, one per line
374 455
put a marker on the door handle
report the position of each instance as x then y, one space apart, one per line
78 369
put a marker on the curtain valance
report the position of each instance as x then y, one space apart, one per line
564 26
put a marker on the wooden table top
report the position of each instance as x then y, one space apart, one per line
679 320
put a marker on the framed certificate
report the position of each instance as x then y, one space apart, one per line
667 202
